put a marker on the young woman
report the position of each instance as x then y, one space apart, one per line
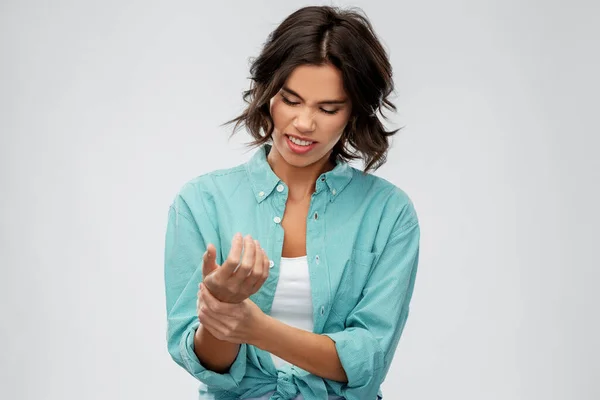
290 276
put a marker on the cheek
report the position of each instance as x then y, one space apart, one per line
335 125
280 114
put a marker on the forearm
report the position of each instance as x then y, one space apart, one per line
216 355
311 352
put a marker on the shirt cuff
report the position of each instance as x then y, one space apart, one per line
360 355
227 381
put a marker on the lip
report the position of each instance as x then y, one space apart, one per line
298 149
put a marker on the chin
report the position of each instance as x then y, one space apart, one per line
301 163
296 160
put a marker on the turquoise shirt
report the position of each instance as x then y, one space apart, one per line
362 245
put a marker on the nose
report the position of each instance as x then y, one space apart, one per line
304 121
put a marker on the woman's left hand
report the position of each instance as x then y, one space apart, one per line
236 323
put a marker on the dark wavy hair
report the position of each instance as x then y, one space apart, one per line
319 35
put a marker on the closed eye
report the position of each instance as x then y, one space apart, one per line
288 102
291 103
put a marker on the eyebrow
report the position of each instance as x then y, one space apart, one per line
287 89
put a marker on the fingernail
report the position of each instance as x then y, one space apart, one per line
238 235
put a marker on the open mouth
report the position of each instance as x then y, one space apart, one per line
299 146
299 142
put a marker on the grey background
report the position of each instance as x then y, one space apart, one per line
107 108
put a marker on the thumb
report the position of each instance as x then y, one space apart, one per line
209 260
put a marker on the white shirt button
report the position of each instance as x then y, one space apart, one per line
322 310
261 194
317 259
277 220
333 192
271 263
280 188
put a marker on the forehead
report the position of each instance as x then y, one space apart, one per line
317 82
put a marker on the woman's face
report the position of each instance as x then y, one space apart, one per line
310 113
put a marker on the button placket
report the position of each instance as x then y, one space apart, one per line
315 242
277 203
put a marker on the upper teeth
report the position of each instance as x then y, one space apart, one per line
299 142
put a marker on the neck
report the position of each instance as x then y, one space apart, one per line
301 181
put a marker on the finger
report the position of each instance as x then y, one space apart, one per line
198 300
220 324
212 323
209 260
211 251
214 315
206 298
266 267
247 263
257 269
235 255
264 272
213 303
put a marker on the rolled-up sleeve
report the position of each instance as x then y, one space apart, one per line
374 326
189 230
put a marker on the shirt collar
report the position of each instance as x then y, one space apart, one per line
263 180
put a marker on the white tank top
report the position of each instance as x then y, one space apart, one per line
292 304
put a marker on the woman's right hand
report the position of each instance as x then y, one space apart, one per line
230 283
